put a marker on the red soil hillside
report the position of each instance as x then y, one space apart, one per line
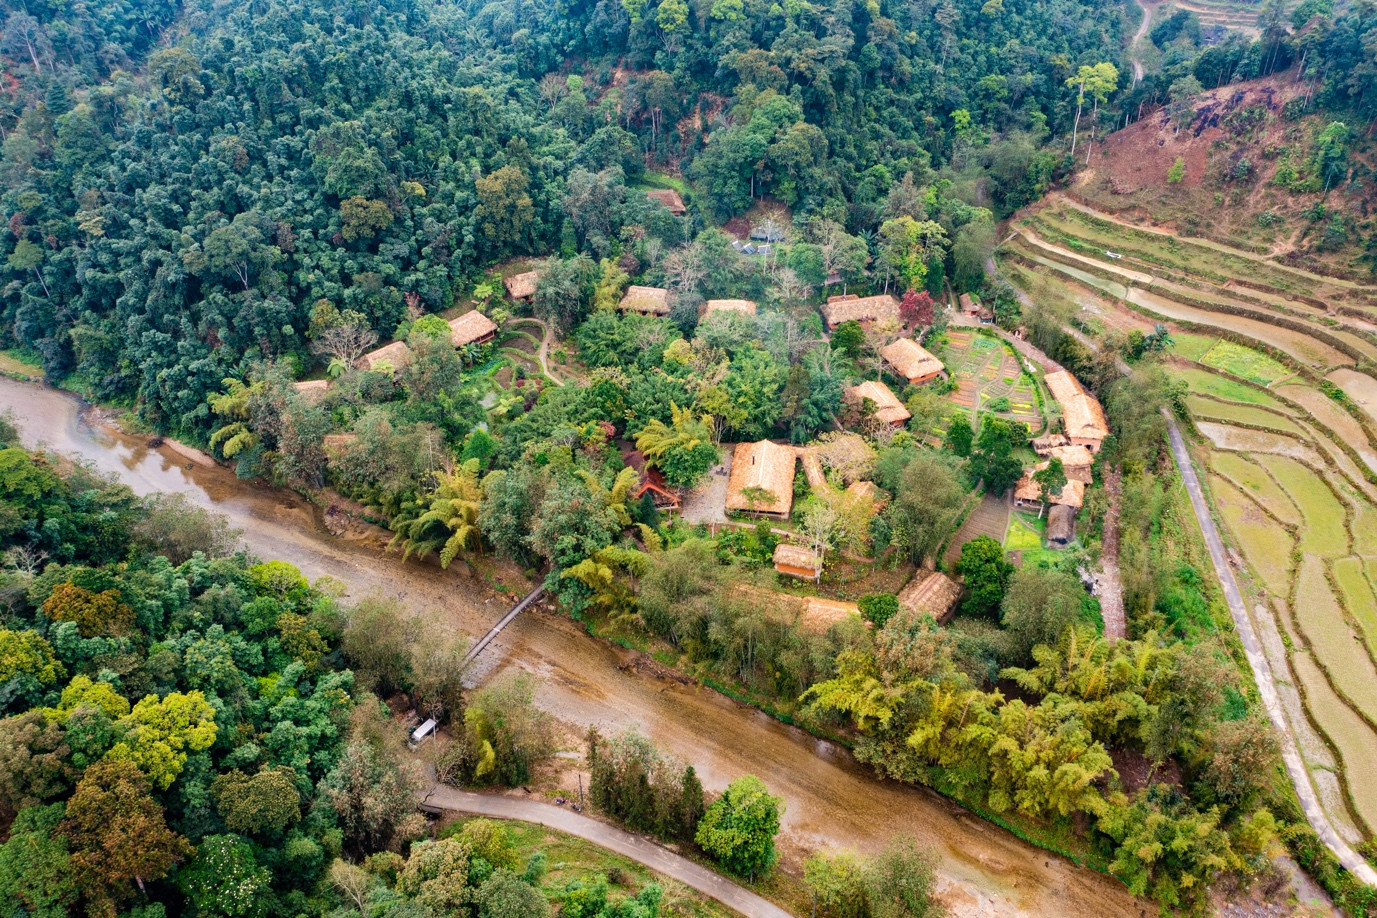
1238 139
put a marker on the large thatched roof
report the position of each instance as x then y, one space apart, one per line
668 197
1072 493
860 309
931 592
653 301
521 286
470 327
745 307
1082 416
397 354
765 465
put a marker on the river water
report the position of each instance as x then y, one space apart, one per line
831 800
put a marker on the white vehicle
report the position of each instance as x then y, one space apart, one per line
1113 254
421 732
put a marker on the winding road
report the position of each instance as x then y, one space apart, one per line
641 850
1137 38
1262 670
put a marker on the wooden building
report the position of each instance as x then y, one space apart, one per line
395 355
888 408
1028 493
1061 526
863 309
765 471
652 482
911 361
1075 460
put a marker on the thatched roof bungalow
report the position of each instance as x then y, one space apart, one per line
668 197
888 408
768 467
396 355
471 328
1061 526
522 286
839 309
1028 493
1075 460
931 592
798 561
649 301
312 390
745 307
911 361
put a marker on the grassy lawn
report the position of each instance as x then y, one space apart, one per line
15 364
665 180
1244 362
569 858
1025 533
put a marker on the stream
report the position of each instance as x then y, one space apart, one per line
831 800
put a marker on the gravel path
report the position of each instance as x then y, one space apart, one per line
1262 671
543 354
642 850
1108 584
1138 37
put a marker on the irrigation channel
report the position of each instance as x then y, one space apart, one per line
832 801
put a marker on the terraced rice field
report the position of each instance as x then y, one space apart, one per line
1244 363
1291 471
1244 415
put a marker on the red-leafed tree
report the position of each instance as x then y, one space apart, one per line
916 309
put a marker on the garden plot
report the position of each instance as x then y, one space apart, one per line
1324 532
1267 547
1257 484
1190 346
1244 362
1244 415
990 378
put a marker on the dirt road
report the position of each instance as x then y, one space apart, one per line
1137 38
1262 671
639 849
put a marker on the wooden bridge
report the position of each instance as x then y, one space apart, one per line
482 643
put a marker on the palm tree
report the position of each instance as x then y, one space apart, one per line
615 497
446 519
684 434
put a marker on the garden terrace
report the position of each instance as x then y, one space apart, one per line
986 370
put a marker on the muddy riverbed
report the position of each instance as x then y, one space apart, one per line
832 802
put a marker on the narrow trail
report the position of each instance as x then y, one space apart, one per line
1262 670
1108 584
641 850
1137 39
543 353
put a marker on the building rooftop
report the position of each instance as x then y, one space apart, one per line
1082 415
745 307
765 465
652 301
931 592
911 360
860 309
888 408
520 286
470 327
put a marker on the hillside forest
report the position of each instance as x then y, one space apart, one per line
210 204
